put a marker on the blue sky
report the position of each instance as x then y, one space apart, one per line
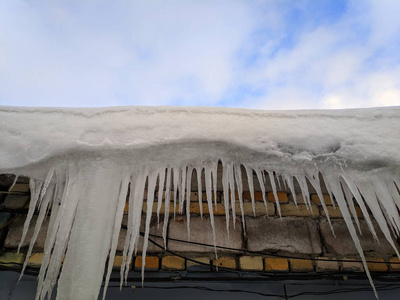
251 54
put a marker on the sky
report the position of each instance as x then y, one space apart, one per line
251 54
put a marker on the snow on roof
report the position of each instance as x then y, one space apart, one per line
85 159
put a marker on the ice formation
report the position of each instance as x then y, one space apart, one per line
83 161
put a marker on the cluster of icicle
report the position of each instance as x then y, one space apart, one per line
86 204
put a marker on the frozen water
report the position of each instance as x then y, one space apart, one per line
83 163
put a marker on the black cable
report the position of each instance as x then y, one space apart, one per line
241 250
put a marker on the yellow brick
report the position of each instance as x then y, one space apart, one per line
202 260
352 266
300 210
378 266
21 188
316 200
12 258
204 197
258 196
282 197
171 195
225 262
251 263
276 264
219 210
334 212
118 262
172 263
151 263
394 264
35 260
326 264
259 209
301 265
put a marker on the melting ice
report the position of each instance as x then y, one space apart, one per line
84 162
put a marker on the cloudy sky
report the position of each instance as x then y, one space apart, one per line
253 54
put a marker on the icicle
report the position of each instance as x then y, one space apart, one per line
315 182
271 178
232 193
167 202
160 194
261 180
123 192
214 171
239 184
134 220
394 192
354 190
188 195
290 183
199 170
370 198
388 203
207 175
35 193
14 182
249 174
150 200
42 213
334 184
349 198
182 189
225 188
176 179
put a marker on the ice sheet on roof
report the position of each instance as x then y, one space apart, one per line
82 162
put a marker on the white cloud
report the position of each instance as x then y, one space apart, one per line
235 53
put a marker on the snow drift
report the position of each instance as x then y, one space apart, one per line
83 161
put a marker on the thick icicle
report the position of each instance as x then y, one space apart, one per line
161 182
334 184
199 171
188 196
249 174
239 184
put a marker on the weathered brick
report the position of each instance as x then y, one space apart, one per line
352 265
172 263
16 201
282 197
334 212
118 262
12 258
394 264
35 260
276 264
377 264
162 208
301 265
20 188
217 211
151 263
326 264
317 200
155 229
343 244
258 196
295 235
201 232
225 262
15 233
251 263
300 210
203 264
260 209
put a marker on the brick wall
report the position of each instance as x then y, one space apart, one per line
300 240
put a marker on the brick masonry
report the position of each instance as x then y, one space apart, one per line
301 231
